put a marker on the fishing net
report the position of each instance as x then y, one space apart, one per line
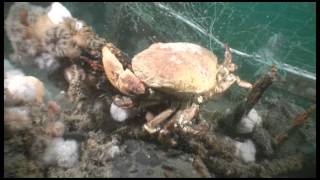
261 34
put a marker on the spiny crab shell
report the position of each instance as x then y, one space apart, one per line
177 68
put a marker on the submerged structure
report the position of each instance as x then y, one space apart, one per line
132 101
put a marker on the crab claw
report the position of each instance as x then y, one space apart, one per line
124 80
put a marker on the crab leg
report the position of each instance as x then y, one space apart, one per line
225 83
232 67
225 70
123 101
151 126
228 59
229 80
124 80
243 84
181 118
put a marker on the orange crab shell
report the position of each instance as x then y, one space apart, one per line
177 68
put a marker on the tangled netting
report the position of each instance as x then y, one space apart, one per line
261 33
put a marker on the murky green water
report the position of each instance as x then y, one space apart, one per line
261 34
278 32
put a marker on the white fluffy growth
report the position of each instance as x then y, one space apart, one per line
79 25
12 73
246 151
113 149
58 12
62 153
20 88
118 114
248 122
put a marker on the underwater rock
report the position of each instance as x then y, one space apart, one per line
99 110
100 149
20 16
263 141
143 159
16 165
55 129
147 158
41 36
17 118
78 89
201 167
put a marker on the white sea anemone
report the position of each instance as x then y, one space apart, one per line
113 149
63 153
58 12
79 24
248 122
246 151
24 89
119 114
12 73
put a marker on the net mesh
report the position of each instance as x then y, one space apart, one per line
262 34
259 34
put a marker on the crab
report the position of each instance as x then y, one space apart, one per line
183 70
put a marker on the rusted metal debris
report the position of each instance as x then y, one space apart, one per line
298 121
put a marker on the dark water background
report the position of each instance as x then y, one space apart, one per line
277 32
